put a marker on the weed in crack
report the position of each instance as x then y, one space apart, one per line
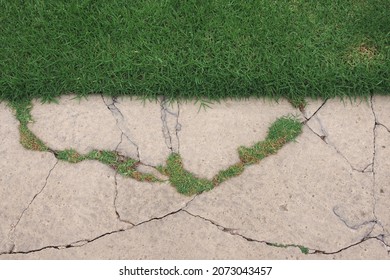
303 249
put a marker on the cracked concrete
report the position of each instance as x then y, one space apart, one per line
141 122
20 179
340 123
79 195
382 179
266 202
327 193
210 137
74 123
141 201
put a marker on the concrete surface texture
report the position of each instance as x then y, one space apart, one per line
324 196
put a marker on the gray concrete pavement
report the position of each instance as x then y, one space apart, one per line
324 196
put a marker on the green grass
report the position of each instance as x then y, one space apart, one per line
194 48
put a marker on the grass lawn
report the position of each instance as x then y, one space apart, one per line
194 49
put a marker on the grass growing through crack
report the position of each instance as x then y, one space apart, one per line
124 166
230 172
23 115
282 131
304 250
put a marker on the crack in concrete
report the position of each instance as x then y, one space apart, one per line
13 226
375 199
326 141
235 232
315 113
120 119
178 127
79 243
165 128
116 197
378 237
172 145
356 226
83 242
381 124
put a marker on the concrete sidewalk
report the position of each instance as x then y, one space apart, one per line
325 196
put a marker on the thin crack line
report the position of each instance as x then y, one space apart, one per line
178 127
83 242
315 113
13 226
357 226
381 124
375 199
167 215
165 127
378 237
79 243
119 121
234 232
338 152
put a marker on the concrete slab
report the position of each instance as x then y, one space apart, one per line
311 193
209 138
314 200
141 201
76 204
23 174
382 179
178 236
381 106
83 125
342 123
